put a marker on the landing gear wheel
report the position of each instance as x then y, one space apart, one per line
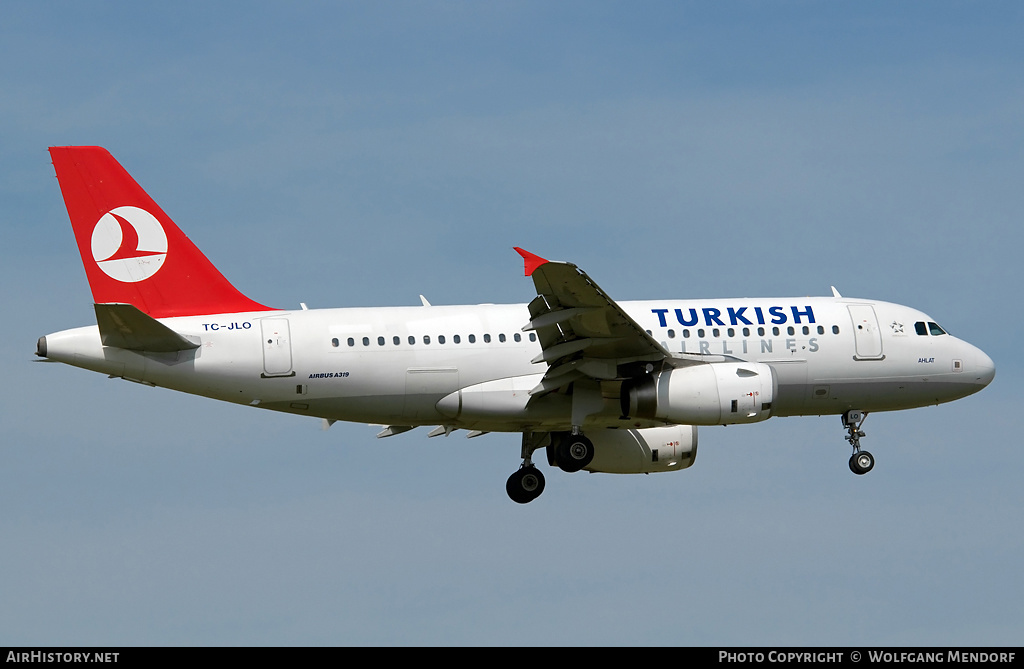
862 462
574 453
525 485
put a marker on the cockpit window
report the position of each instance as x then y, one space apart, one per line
935 329
921 328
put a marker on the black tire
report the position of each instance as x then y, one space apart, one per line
525 485
574 453
862 462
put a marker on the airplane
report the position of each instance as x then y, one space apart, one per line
600 385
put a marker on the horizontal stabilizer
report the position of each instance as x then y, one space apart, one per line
124 326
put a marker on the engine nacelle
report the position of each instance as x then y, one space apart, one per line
654 449
721 393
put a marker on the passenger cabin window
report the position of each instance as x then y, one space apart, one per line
366 341
501 338
517 337
351 341
456 339
335 343
533 336
380 341
472 338
440 339
412 340
426 339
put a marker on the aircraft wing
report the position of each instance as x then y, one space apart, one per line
583 333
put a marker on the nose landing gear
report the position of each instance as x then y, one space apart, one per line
861 462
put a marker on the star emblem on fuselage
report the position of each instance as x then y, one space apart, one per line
897 327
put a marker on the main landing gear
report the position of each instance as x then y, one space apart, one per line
569 451
861 462
526 484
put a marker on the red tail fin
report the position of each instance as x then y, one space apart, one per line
132 251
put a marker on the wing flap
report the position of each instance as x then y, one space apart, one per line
555 317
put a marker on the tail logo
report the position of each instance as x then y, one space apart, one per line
129 244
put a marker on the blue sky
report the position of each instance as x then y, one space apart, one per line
359 154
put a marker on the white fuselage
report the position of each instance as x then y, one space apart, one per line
396 366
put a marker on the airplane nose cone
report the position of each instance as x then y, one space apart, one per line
985 369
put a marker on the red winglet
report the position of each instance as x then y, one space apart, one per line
532 262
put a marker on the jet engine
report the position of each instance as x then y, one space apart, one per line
654 449
721 393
